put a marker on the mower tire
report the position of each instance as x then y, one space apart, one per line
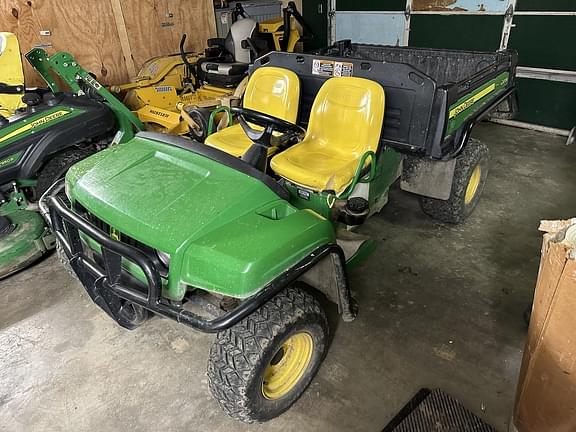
201 117
258 368
132 316
468 183
57 167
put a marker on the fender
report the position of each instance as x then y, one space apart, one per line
95 121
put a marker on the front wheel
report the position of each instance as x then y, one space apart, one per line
258 368
468 183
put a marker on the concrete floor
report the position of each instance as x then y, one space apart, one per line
441 306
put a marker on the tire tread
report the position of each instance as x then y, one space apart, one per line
237 350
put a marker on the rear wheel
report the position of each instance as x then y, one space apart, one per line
258 368
468 183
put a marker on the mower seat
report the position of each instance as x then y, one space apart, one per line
11 75
270 90
345 122
222 74
234 53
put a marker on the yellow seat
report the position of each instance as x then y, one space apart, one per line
271 90
345 122
11 74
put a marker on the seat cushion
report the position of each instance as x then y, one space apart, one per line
272 91
221 73
231 140
228 69
345 123
312 166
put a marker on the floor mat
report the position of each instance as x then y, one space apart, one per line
435 411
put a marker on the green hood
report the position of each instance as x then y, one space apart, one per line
225 230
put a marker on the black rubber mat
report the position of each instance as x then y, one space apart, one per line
435 411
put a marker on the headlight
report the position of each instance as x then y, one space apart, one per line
164 258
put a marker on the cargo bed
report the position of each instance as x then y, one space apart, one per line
433 97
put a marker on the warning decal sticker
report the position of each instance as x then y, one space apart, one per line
329 68
343 69
322 67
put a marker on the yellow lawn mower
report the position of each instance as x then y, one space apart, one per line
176 94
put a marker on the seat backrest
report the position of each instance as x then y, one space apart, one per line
347 116
11 72
11 75
239 31
274 91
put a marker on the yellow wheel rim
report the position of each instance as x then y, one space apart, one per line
287 366
473 184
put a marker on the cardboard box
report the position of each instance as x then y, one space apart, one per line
546 392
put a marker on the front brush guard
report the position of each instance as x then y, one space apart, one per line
105 286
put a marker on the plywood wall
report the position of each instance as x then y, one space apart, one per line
111 38
155 27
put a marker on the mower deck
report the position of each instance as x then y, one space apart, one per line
25 241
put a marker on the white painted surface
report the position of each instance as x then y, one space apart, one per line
387 29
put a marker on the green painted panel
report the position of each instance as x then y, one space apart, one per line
545 41
467 105
456 32
546 5
370 5
547 103
315 13
215 222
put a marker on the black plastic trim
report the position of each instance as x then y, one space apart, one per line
463 133
11 89
418 96
96 122
105 285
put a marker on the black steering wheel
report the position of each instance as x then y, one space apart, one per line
267 121
256 155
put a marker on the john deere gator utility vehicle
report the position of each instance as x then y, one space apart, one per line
40 141
176 94
239 236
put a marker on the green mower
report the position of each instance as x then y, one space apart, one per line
39 142
241 235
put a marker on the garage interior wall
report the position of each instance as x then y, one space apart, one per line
111 38
541 31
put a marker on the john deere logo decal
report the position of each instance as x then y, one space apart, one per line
48 118
114 234
498 82
36 123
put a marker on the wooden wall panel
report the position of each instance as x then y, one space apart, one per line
89 30
156 26
86 29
